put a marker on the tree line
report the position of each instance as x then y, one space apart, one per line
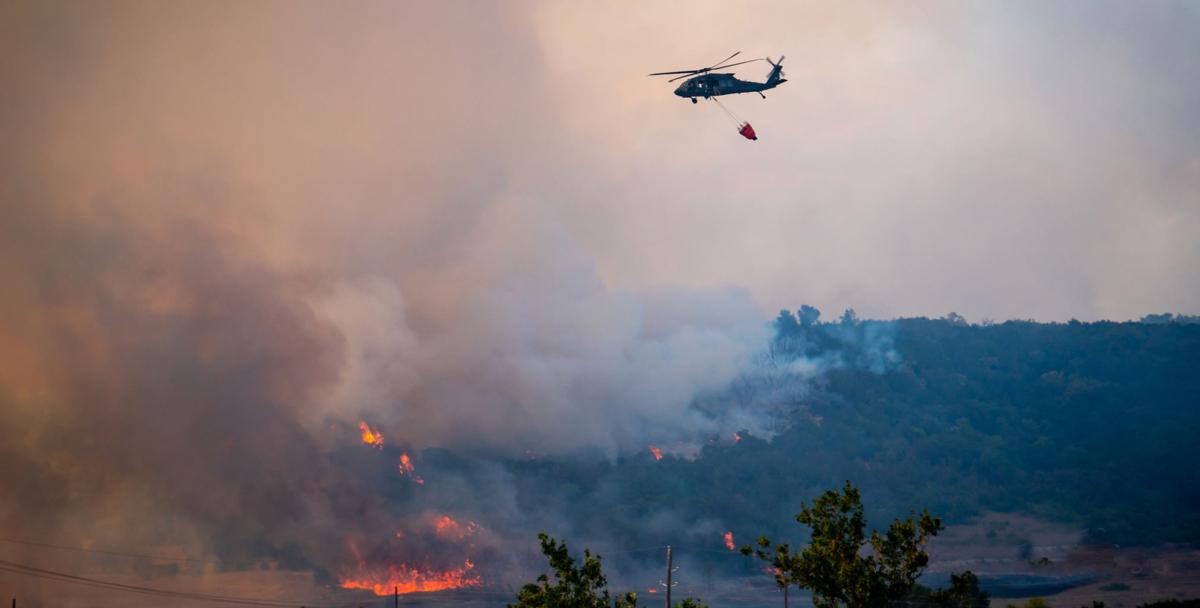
842 566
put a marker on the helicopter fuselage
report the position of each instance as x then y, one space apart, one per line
713 85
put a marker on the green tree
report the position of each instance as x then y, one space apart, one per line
1036 602
964 592
780 558
808 315
833 565
576 586
573 586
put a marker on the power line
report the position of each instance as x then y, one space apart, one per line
704 550
31 543
626 551
54 575
21 569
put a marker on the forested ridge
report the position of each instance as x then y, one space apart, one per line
1089 423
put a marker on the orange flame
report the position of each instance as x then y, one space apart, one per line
369 437
445 523
446 526
406 468
729 541
408 579
737 437
657 452
652 590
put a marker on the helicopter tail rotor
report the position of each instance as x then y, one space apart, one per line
776 76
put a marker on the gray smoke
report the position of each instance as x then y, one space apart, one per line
222 247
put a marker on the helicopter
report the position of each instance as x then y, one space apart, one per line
703 83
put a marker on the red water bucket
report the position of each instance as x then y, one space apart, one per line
747 131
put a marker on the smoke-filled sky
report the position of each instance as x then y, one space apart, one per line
1003 160
225 224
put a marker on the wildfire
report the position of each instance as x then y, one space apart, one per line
446 526
729 541
657 452
652 590
369 437
406 468
737 437
408 579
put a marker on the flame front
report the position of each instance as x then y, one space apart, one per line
407 579
369 437
445 526
406 468
729 541
737 437
657 452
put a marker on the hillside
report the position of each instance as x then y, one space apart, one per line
1088 423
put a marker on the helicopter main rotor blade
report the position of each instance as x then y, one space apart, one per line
703 71
721 67
726 59
716 66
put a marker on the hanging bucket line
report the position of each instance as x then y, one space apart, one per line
744 129
736 121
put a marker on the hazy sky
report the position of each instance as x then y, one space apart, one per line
1016 159
998 159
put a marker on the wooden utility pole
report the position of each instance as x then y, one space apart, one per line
669 576
396 597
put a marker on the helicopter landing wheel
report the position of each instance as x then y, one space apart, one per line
693 100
